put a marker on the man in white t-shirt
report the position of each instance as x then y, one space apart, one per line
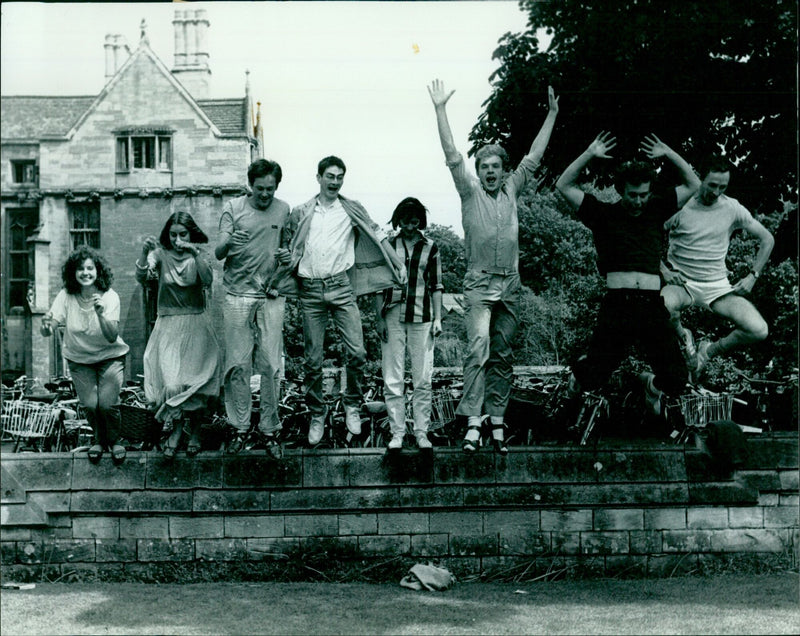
695 271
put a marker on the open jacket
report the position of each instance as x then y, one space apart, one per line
373 269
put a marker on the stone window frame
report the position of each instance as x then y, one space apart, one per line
24 172
84 227
143 149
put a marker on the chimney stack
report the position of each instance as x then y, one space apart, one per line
191 51
117 53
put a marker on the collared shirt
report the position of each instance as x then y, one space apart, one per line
491 225
330 245
424 269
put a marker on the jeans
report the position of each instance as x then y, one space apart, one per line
253 344
321 299
633 317
415 338
98 386
492 309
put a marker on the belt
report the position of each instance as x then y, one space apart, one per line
336 278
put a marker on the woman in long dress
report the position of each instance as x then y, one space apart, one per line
181 361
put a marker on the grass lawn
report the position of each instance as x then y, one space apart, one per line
725 604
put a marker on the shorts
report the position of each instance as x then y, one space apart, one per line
704 293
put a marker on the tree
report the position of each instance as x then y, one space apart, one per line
705 76
451 253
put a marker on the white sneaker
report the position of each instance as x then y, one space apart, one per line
316 429
352 419
396 442
422 440
651 394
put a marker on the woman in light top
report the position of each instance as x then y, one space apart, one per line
89 310
181 361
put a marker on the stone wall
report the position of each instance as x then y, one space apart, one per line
632 509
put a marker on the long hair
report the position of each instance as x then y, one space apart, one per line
196 235
104 275
410 207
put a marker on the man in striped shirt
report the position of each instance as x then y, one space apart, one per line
409 319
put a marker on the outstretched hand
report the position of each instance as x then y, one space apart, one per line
601 145
552 100
439 95
653 147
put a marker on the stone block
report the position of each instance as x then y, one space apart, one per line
519 540
254 525
99 501
31 552
747 517
501 520
429 545
262 549
665 518
40 471
619 519
459 468
116 550
722 493
95 527
789 500
160 501
335 499
231 501
642 466
260 470
16 534
196 527
704 517
605 542
790 480
326 550
107 476
366 523
50 502
362 469
69 551
565 542
8 552
625 566
687 540
16 514
461 522
431 496
461 567
312 525
183 472
667 566
645 541
749 540
165 549
385 545
474 544
781 517
761 480
569 520
221 549
406 468
144 528
403 523
768 499
772 452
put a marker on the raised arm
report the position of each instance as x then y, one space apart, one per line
653 147
567 182
765 244
543 136
439 97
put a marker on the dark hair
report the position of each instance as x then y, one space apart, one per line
196 235
633 173
410 207
491 150
327 162
715 163
263 167
75 259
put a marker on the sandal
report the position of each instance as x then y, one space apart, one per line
499 444
118 454
471 446
95 453
236 444
193 447
171 447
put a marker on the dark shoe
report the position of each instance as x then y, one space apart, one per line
268 442
95 453
171 447
118 454
470 445
236 444
499 443
193 447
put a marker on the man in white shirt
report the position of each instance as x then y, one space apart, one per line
338 254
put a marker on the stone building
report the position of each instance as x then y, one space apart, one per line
107 170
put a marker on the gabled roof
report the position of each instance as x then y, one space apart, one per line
33 117
228 115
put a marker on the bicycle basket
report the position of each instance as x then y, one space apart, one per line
443 409
699 410
24 418
138 424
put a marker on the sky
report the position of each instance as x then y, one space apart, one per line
343 78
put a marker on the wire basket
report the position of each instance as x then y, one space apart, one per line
699 410
138 424
27 419
443 410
